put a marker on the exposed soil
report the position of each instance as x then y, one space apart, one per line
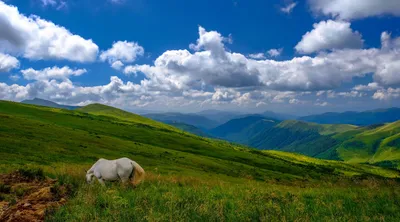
28 199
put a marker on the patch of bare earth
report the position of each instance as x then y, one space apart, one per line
26 199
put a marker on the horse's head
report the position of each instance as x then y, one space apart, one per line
89 177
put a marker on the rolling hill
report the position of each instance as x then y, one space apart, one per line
188 177
279 116
191 119
42 102
356 118
235 125
108 111
290 135
376 144
219 116
189 128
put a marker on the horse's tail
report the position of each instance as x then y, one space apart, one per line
138 173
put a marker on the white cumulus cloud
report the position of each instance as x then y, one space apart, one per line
352 9
51 73
38 39
212 65
387 94
117 65
369 87
275 52
329 35
8 62
257 56
321 103
122 51
210 74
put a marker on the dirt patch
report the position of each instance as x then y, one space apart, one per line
25 198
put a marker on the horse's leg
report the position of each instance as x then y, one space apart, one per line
101 181
124 181
132 180
123 176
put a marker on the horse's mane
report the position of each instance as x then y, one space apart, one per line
139 173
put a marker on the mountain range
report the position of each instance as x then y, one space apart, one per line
375 144
359 137
186 118
356 118
288 135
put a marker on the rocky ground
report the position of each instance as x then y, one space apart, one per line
28 197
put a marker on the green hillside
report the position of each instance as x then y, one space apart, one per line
189 128
78 137
365 118
290 135
188 177
187 118
376 145
103 110
322 129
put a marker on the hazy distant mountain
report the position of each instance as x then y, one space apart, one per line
290 135
189 128
235 125
191 119
280 116
356 118
219 115
43 102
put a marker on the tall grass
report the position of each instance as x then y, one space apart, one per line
169 198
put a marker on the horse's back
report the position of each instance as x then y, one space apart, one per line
124 159
124 168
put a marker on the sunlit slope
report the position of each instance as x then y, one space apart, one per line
345 168
294 136
322 129
377 116
103 110
54 137
372 145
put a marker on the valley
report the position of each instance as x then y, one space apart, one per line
374 143
188 176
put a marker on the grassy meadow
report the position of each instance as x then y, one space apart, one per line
188 178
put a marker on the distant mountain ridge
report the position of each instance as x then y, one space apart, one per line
356 118
190 129
375 144
235 125
287 135
190 119
280 116
219 116
43 102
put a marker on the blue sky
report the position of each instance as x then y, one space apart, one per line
298 57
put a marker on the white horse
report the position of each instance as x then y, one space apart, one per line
123 169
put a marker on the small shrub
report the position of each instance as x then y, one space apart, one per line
58 191
70 184
4 188
19 191
13 201
32 174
